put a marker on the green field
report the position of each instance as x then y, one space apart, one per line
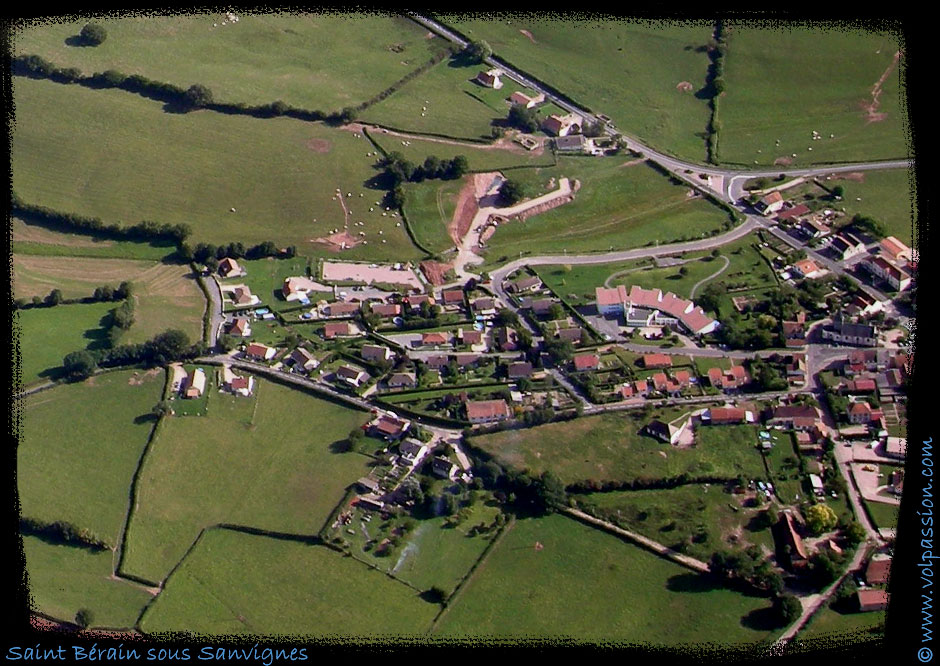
784 84
831 622
617 207
886 196
132 161
265 462
430 207
284 588
432 554
609 447
64 579
324 62
885 516
35 239
589 585
451 103
628 70
46 335
165 295
79 448
700 520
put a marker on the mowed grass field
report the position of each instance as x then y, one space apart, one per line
443 100
165 295
628 70
44 336
132 161
581 280
264 462
284 588
64 579
617 207
831 623
609 448
430 207
586 584
38 240
79 445
782 84
314 61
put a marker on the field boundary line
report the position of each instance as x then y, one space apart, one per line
640 540
132 493
471 572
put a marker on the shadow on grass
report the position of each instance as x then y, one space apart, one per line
76 40
340 446
145 418
761 619
690 582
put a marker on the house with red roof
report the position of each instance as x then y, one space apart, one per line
770 204
860 412
584 362
657 361
339 329
490 79
726 416
386 310
525 100
872 600
793 212
878 570
258 351
898 278
435 338
807 268
894 250
487 411
228 267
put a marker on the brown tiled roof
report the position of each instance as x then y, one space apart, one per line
486 409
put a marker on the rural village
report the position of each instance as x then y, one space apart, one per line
491 365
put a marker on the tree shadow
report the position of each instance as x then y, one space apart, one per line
690 582
76 40
144 418
761 619
464 59
705 92
340 446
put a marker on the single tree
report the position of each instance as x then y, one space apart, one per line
478 50
84 617
820 518
511 192
198 96
79 365
787 608
93 34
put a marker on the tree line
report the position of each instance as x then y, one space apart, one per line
171 345
145 230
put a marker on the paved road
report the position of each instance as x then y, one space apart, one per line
215 310
709 278
731 179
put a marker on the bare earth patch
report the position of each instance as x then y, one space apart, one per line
631 163
529 35
434 271
684 86
871 108
138 378
319 145
855 176
783 161
338 241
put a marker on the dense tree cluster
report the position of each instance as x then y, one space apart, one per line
523 118
401 170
